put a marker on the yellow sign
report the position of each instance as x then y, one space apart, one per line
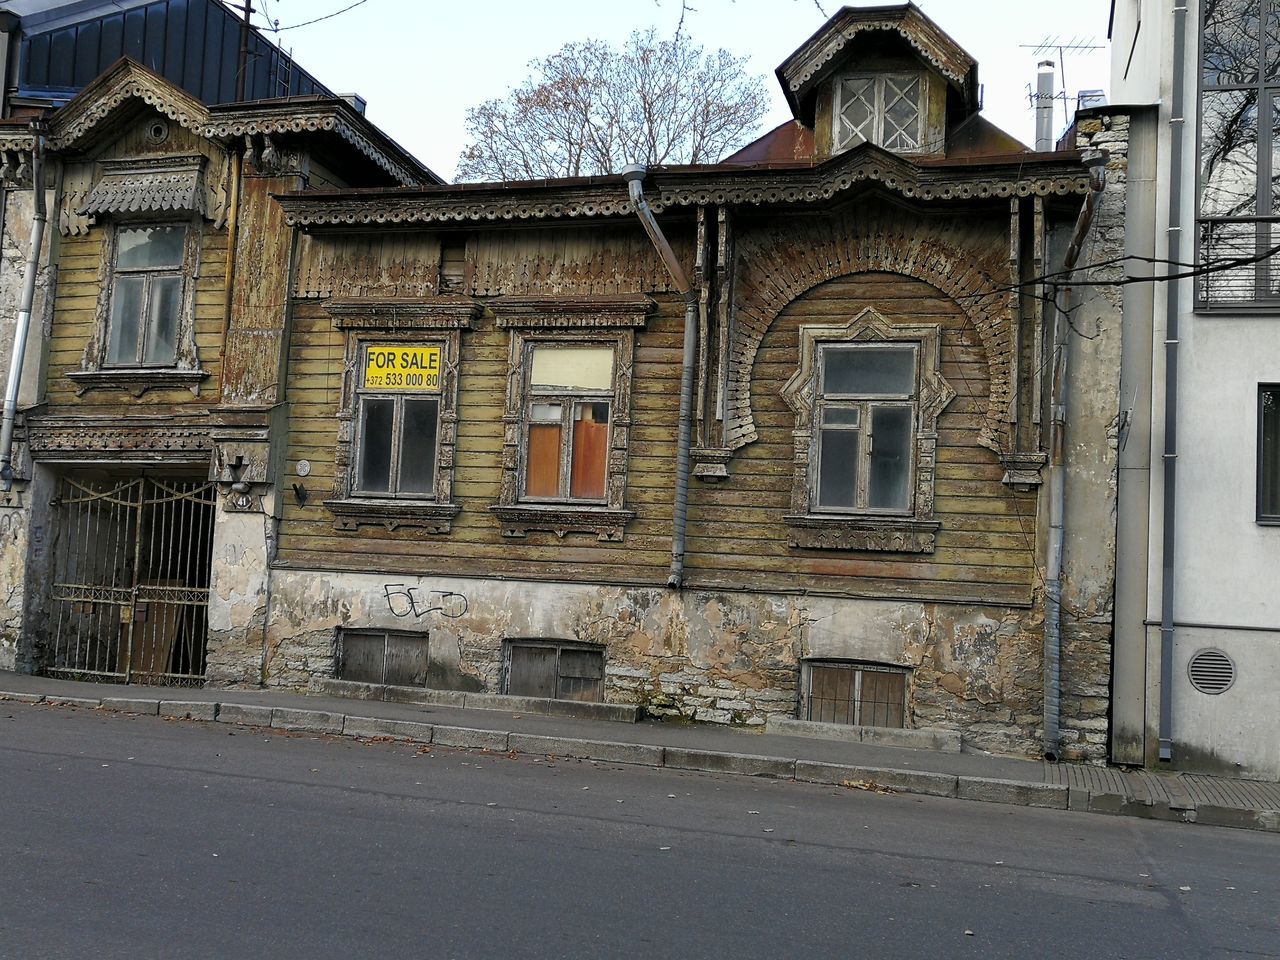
402 368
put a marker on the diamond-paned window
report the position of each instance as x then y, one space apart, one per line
885 109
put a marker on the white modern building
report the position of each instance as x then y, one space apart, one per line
1197 618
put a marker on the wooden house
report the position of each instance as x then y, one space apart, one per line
444 422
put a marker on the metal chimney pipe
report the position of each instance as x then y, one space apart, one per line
1044 106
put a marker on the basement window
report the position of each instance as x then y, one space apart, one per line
555 671
393 657
855 694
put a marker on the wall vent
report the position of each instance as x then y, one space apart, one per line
1211 672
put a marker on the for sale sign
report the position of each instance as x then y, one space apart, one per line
402 368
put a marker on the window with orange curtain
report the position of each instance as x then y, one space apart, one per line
566 441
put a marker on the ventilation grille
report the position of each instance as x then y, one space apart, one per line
1211 672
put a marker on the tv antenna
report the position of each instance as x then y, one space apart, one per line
1061 45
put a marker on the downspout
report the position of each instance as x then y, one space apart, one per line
23 324
1057 472
634 176
1177 122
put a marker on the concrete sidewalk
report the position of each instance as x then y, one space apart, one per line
969 776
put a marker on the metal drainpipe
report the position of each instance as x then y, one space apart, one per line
1177 124
634 176
23 324
1057 475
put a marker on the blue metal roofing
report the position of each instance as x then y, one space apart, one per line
194 44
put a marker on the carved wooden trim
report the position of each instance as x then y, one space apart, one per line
930 42
116 438
148 185
446 430
933 393
887 534
376 314
604 522
534 516
710 464
853 169
787 262
433 518
136 380
572 312
186 370
1022 469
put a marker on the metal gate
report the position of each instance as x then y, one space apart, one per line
131 579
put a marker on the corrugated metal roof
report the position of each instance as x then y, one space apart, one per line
194 44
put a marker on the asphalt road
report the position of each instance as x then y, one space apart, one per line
140 837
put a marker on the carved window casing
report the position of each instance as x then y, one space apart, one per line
854 379
391 484
564 455
144 334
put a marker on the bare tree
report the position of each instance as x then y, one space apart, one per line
589 109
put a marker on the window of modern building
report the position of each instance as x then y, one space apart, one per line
1239 136
1269 453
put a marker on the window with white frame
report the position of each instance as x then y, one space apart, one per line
1239 134
886 109
148 284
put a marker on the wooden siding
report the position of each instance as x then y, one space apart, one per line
736 535
985 547
75 319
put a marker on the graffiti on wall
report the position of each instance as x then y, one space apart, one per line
406 601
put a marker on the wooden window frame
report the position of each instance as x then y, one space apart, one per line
865 404
96 372
1264 519
878 80
858 668
397 323
606 517
560 646
1264 288
910 531
397 429
415 636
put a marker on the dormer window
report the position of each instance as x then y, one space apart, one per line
885 109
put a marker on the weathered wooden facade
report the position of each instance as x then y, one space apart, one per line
444 419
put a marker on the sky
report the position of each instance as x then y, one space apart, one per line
421 63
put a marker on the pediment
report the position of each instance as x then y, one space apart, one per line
827 52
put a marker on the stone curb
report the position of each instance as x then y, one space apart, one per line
245 714
308 721
1021 792
604 750
534 706
131 705
379 727
986 789
189 709
908 781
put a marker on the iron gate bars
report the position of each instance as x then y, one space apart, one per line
131 579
